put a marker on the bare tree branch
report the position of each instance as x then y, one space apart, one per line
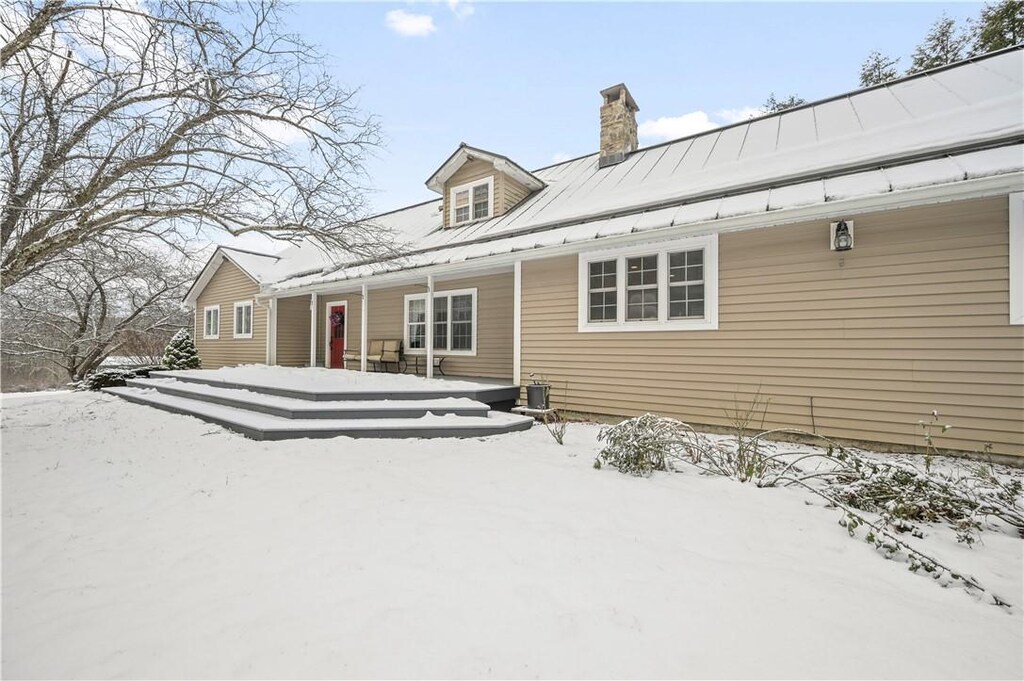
172 119
75 313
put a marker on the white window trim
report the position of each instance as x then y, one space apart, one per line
449 295
252 319
214 336
489 181
1017 258
710 321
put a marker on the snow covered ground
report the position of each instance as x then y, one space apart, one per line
140 544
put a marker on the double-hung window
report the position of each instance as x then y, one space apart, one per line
642 288
454 323
472 201
243 319
652 287
211 322
686 284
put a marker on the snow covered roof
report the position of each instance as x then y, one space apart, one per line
257 266
501 163
944 126
762 207
408 226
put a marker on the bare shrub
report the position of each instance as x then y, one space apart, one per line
968 498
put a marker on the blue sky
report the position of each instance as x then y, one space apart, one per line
522 79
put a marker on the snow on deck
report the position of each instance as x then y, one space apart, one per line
298 405
138 544
320 380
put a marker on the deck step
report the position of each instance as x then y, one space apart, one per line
292 408
262 426
501 397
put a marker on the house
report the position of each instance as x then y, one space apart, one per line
859 260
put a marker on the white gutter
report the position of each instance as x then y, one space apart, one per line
943 193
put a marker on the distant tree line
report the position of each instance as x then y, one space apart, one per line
996 27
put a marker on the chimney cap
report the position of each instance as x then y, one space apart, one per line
615 92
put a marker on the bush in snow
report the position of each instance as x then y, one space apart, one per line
181 352
111 378
641 445
891 500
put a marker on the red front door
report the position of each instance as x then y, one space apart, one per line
336 320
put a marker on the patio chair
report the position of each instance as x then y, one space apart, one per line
374 354
391 353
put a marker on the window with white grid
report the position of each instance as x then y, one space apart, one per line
642 288
454 323
659 286
603 293
471 201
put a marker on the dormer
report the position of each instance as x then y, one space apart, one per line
478 185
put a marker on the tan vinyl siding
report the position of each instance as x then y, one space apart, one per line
230 285
494 323
511 193
913 319
293 331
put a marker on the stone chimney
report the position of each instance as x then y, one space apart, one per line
618 125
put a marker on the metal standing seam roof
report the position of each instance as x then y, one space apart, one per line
256 265
921 129
947 170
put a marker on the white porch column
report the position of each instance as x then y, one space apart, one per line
430 326
363 326
517 322
272 331
313 302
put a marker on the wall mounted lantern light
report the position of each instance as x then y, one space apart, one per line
842 235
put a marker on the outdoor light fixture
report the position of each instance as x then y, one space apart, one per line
842 235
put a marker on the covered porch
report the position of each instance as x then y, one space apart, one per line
384 326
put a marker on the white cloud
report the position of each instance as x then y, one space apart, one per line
461 9
409 24
674 127
671 127
736 115
279 131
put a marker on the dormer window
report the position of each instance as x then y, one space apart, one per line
472 201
